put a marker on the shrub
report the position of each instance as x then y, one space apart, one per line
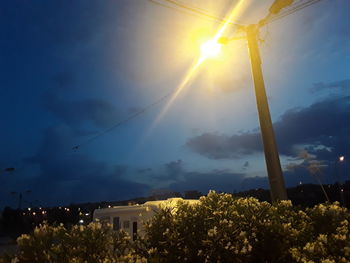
221 228
330 240
89 244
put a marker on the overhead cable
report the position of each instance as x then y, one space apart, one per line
126 120
199 12
294 8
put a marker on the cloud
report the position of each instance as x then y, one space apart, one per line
219 180
245 165
144 170
341 85
170 171
221 146
97 112
227 181
64 79
64 176
48 21
174 168
321 128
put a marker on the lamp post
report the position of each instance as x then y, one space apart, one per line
338 180
276 180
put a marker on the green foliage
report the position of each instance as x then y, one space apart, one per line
79 244
219 228
330 241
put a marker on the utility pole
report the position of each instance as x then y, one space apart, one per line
20 197
276 181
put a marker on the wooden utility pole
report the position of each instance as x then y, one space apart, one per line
276 181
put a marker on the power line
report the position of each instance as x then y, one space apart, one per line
181 10
199 12
293 9
194 11
204 14
126 120
297 8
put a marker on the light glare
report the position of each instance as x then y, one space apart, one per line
210 49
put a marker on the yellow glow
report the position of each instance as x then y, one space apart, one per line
211 45
182 85
210 49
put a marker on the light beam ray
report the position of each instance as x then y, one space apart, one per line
193 70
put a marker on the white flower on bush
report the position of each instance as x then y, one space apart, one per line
23 237
228 246
328 261
152 251
310 247
212 232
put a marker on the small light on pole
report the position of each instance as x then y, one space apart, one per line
338 180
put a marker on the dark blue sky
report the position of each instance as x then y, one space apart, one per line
72 69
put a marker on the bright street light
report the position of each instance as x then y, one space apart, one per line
210 49
341 158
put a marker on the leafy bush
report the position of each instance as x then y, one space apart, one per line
330 241
219 228
79 244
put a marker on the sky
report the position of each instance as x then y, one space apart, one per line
71 70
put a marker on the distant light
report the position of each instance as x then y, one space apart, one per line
34 213
81 221
39 208
300 182
341 158
67 209
109 206
342 190
29 209
87 214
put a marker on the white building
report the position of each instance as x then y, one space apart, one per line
132 218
